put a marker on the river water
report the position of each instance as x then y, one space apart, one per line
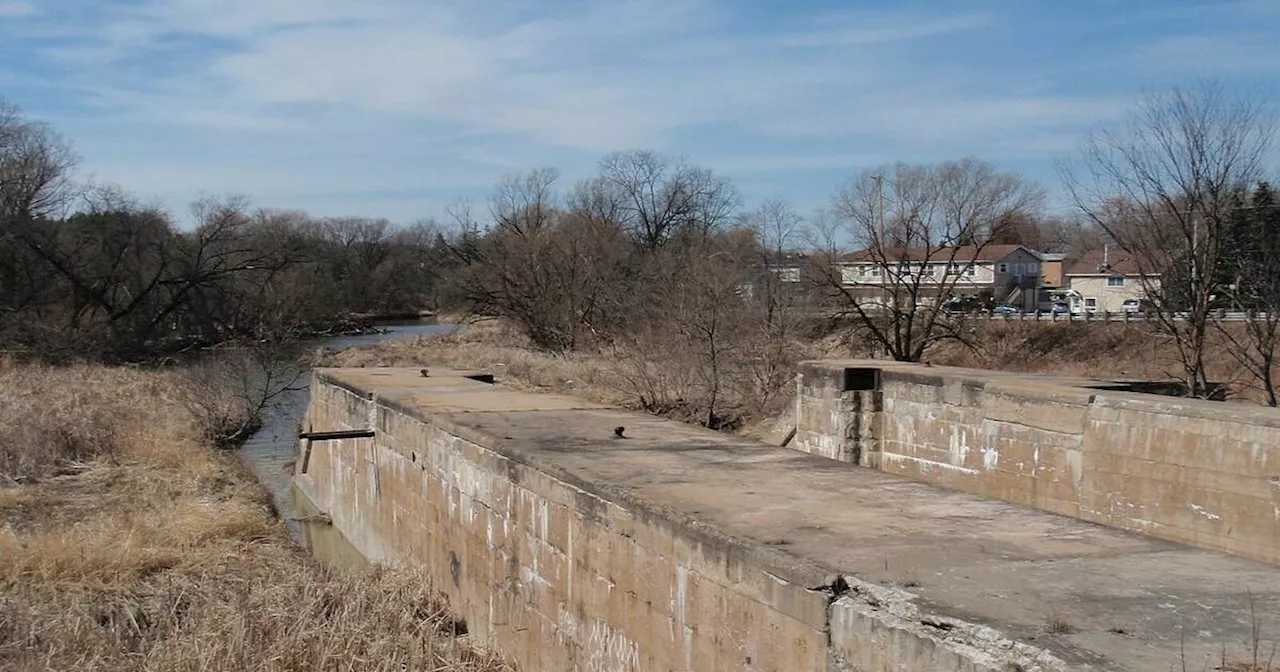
270 451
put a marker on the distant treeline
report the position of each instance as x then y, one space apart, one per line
90 273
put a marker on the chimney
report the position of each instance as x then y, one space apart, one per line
1106 255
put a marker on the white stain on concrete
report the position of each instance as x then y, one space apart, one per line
959 446
1200 510
925 465
680 594
1075 462
533 578
604 649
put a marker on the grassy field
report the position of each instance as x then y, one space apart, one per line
126 543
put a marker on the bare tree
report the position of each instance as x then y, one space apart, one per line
231 393
525 203
546 269
922 230
35 169
1163 187
656 198
1071 235
780 299
775 227
596 199
687 357
35 174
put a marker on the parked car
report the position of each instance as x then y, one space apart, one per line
1005 309
961 305
1132 306
1060 308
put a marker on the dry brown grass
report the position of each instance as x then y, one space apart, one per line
495 347
1074 349
655 382
662 380
1056 625
659 383
134 546
57 420
1109 350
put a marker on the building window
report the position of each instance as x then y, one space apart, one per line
788 274
875 272
1115 282
927 271
1091 304
971 270
1004 268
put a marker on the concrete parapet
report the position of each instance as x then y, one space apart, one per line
1197 472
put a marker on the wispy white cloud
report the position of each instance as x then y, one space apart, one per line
331 96
860 28
1211 54
613 76
15 8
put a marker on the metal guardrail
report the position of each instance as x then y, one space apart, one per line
1045 316
1227 316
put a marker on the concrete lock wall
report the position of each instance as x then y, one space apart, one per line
1197 472
561 573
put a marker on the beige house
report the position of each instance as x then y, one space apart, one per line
1103 281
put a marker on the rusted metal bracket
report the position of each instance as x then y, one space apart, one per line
340 434
330 436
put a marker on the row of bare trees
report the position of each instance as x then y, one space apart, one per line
1182 189
90 272
652 261
654 256
655 259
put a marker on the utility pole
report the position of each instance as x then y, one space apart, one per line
880 208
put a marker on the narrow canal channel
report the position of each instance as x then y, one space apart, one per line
271 450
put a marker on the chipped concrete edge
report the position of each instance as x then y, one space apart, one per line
986 648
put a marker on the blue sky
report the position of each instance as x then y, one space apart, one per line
397 108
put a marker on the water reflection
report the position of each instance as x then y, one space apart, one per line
317 535
271 451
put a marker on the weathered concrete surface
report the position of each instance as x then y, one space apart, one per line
1196 472
683 549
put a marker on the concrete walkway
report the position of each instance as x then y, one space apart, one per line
1091 595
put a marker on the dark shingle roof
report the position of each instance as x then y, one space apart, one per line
936 254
